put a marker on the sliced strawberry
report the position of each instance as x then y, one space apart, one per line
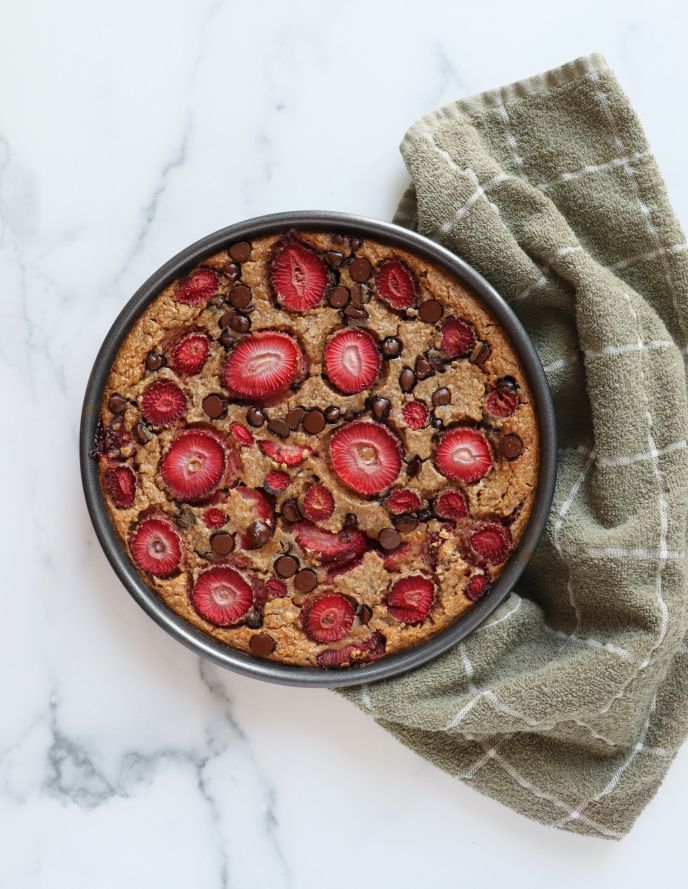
403 500
221 596
396 284
333 548
276 481
410 599
262 364
214 518
337 570
477 586
285 454
276 588
318 503
197 288
352 361
241 433
163 403
415 414
463 455
298 276
370 650
458 337
365 456
328 618
190 353
396 560
193 465
491 542
258 503
502 401
451 505
156 547
120 484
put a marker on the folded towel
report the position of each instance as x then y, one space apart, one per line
569 704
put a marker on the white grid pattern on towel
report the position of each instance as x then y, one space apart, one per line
606 352
591 169
481 191
510 138
645 455
672 250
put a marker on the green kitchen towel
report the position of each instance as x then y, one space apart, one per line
569 704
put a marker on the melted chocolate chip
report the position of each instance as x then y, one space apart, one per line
254 620
262 644
414 466
334 258
231 270
389 539
185 517
391 347
240 252
423 368
314 422
294 418
214 406
381 407
360 269
258 534
351 520
430 311
116 404
279 427
364 614
306 580
356 313
337 239
154 360
226 339
440 397
436 423
291 511
405 523
286 566
332 414
407 379
338 297
436 360
255 417
359 295
240 297
240 324
141 433
480 354
227 318
222 543
511 446
356 243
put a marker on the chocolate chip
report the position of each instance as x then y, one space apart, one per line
481 352
440 397
430 311
359 295
222 543
364 614
240 252
391 347
356 313
337 239
255 417
435 359
405 523
214 406
333 258
338 297
258 534
381 407
351 520
141 433
291 511
407 379
185 517
240 297
360 269
227 318
286 566
511 446
154 360
226 339
306 580
356 243
116 404
279 427
314 422
254 620
423 368
436 423
262 644
424 515
389 539
507 383
231 270
414 466
240 323
294 418
332 414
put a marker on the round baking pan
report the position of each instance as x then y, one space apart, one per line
206 646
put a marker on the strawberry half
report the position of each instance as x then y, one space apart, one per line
241 433
214 518
352 361
396 284
197 288
276 481
221 596
410 599
190 354
120 484
415 414
458 337
276 588
298 276
365 456
491 542
370 650
284 454
193 465
318 503
477 586
332 548
502 401
403 500
262 365
463 455
156 547
451 505
163 403
328 618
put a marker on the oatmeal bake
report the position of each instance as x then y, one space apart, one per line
318 449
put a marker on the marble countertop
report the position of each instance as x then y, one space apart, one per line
128 130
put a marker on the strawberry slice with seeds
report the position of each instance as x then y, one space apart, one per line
396 284
502 401
276 481
415 414
285 454
318 504
365 456
197 288
120 484
214 518
190 354
458 337
241 433
155 546
332 548
352 361
477 587
163 403
328 618
463 455
451 505
410 599
403 500
221 596
299 277
262 511
263 364
491 542
193 465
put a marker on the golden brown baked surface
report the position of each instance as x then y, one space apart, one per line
398 562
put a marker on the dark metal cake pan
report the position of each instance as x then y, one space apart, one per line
204 645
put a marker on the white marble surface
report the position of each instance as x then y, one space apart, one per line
128 130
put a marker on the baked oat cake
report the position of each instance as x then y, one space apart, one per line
318 449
